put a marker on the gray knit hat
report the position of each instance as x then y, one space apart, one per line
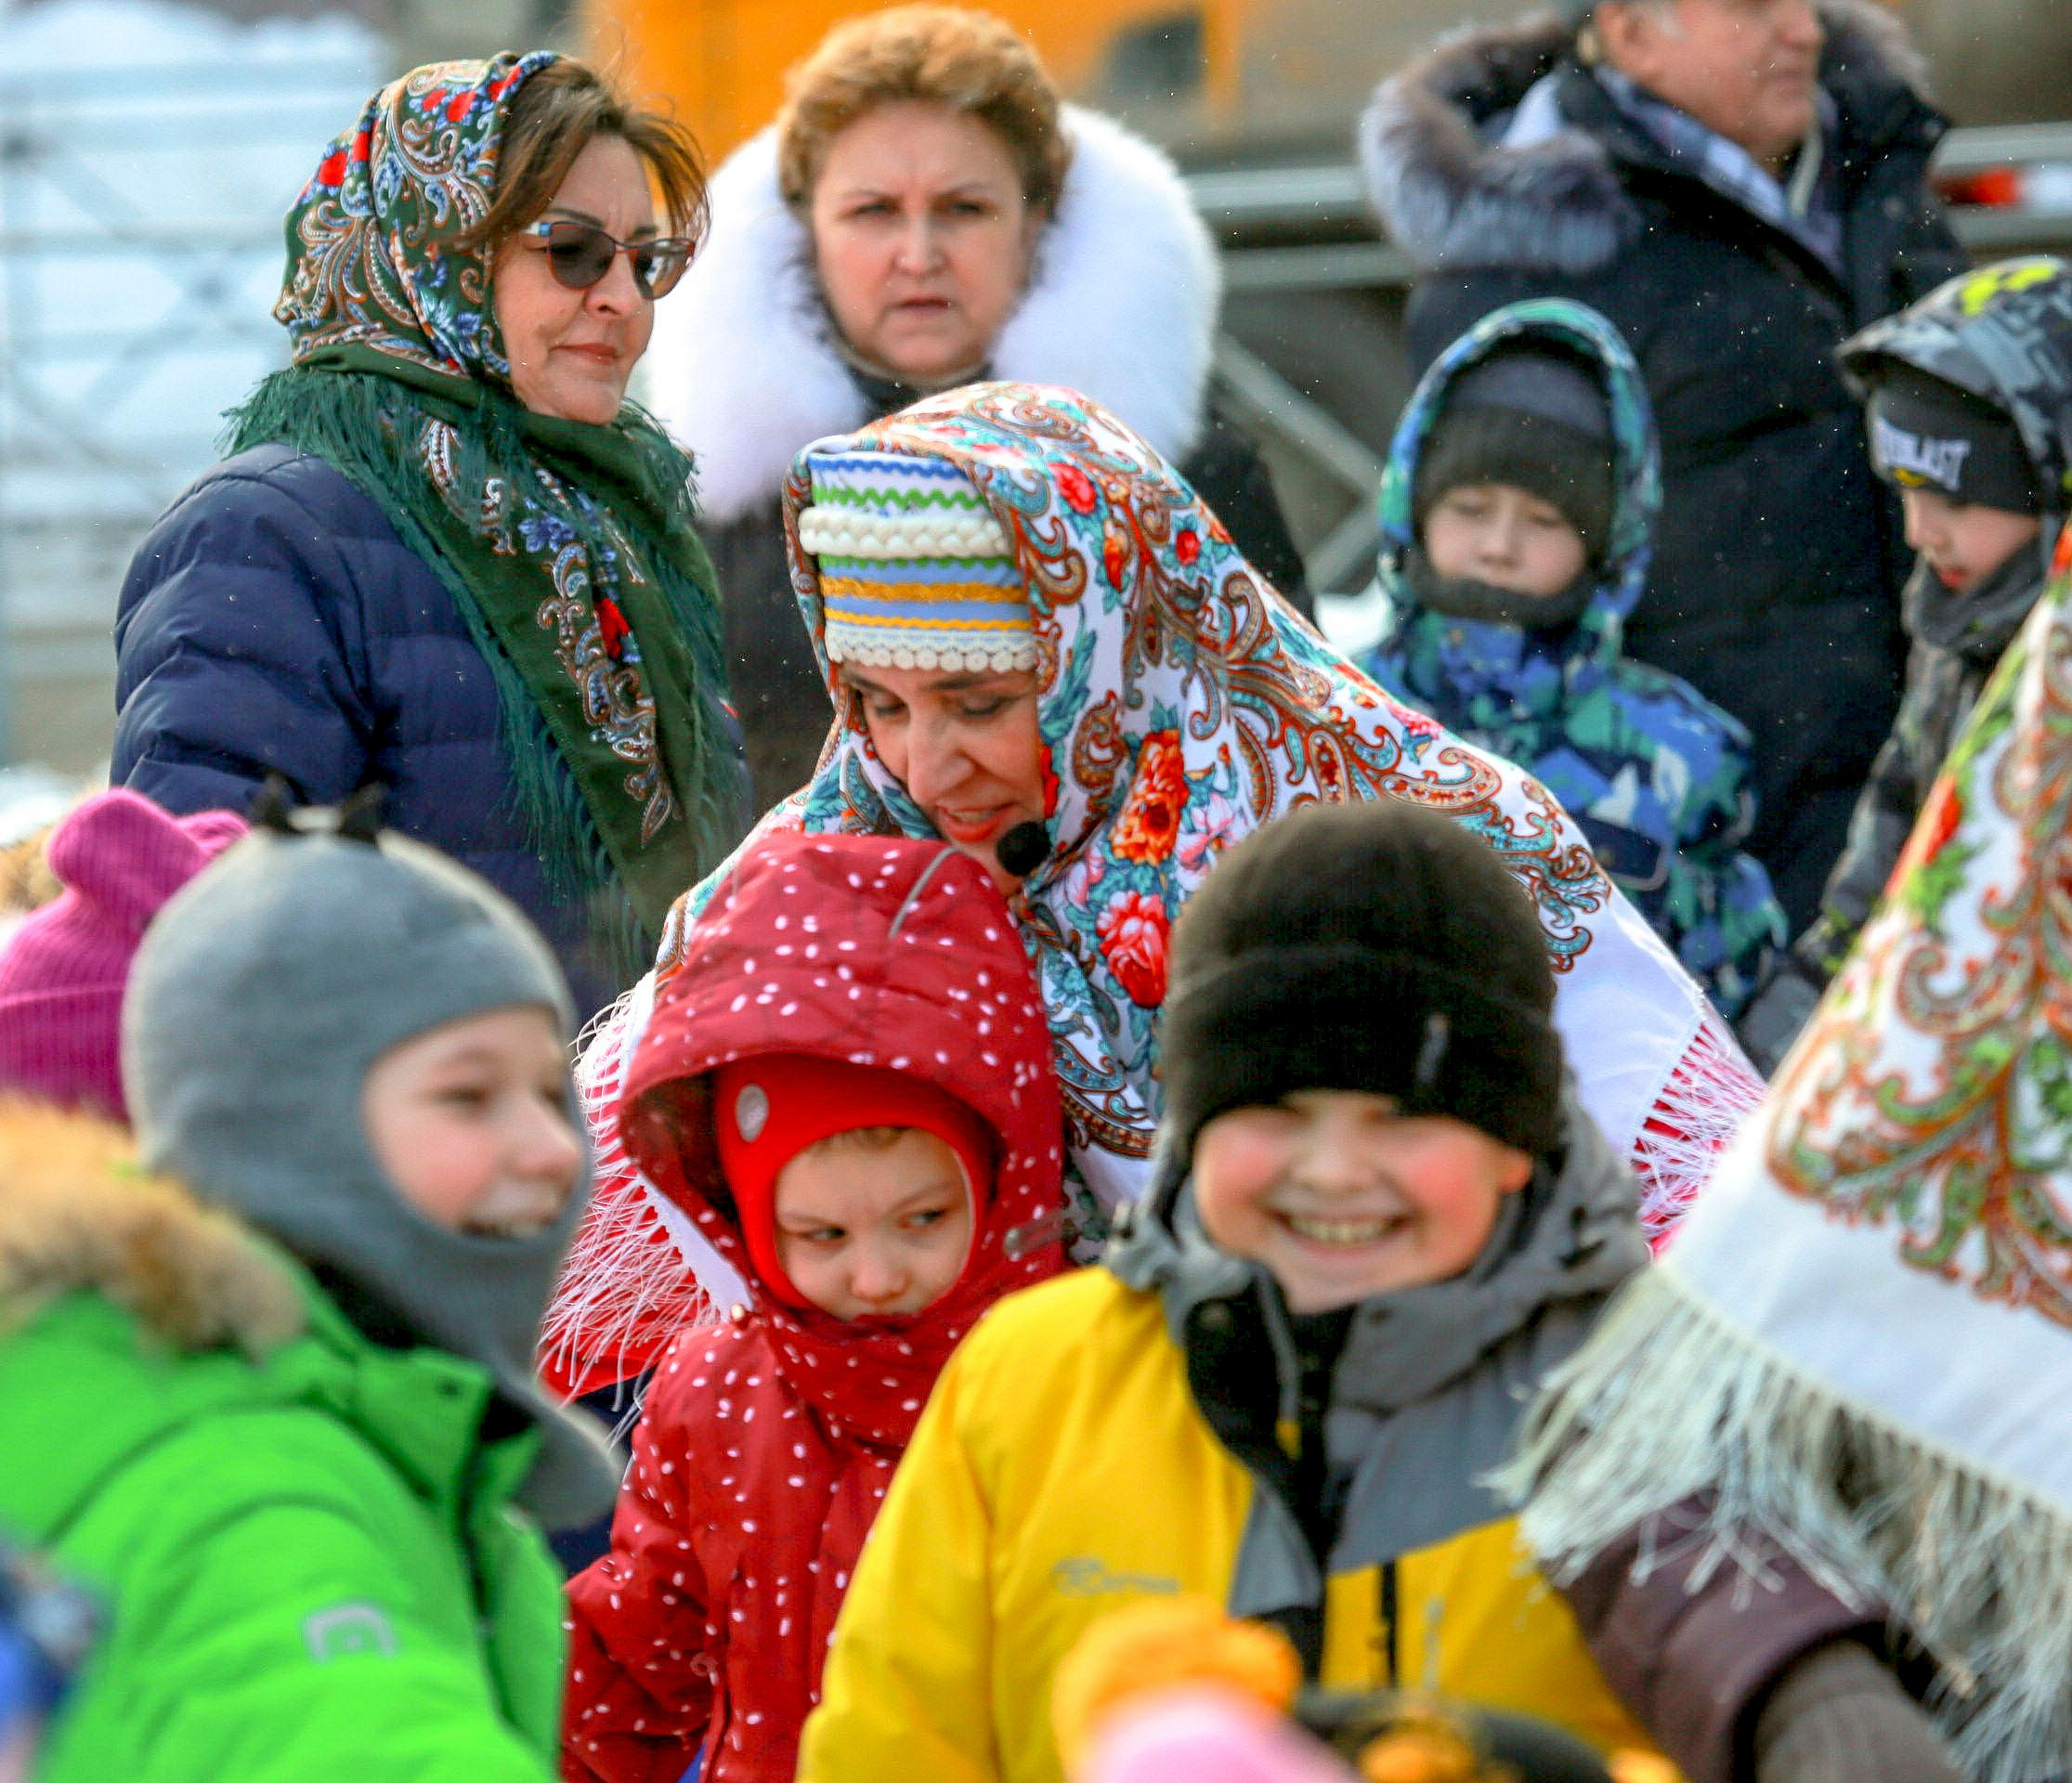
263 994
1536 419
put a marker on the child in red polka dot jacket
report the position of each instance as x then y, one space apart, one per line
849 1088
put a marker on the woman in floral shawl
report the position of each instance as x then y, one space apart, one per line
1856 1364
446 555
1007 567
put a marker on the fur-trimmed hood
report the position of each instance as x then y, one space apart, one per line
1122 307
75 1213
1454 195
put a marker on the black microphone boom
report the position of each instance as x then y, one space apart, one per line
1024 848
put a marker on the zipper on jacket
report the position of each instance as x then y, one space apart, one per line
1435 1607
1386 1636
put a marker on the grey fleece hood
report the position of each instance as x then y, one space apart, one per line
1428 1390
261 995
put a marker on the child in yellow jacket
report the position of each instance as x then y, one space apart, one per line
1381 1220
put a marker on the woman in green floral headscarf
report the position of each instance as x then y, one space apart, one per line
448 555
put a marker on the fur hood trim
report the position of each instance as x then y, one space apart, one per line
75 1213
1453 200
1122 308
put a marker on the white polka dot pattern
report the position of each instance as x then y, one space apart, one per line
769 1437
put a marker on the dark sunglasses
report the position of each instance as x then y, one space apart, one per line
579 254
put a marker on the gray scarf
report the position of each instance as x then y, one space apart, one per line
1427 1392
1981 622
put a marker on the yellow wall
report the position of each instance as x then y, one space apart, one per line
1282 72
723 61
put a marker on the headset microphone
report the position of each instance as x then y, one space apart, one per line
1024 848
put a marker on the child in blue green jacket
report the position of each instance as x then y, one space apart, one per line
1518 517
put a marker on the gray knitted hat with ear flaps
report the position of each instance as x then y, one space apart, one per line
262 993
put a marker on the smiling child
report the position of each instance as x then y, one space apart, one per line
1381 1219
1379 1215
307 1487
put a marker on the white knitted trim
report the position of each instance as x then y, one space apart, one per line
1001 654
839 532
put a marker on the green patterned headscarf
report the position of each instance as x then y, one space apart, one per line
567 546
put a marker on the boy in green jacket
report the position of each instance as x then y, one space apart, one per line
275 1405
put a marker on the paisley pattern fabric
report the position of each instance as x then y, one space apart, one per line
567 546
369 256
1861 1342
1654 774
1184 704
1932 1096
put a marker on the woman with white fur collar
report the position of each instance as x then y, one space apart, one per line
925 213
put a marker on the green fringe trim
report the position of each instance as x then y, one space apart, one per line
559 827
366 425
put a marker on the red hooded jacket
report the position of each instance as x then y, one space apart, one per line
767 1442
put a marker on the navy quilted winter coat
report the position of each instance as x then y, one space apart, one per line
273 621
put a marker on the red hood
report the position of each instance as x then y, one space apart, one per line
877 951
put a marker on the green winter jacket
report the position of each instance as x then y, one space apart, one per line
303 1541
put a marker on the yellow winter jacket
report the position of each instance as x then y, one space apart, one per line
1061 1468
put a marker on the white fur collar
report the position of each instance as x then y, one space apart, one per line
1123 309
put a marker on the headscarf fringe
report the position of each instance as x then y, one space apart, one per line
1670 1401
364 427
610 1316
1699 1110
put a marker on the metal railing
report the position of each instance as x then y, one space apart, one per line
140 249
1328 198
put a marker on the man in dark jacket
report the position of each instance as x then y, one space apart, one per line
1738 184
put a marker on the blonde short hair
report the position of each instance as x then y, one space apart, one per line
953 56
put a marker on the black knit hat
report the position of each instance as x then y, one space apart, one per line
1534 417
1376 947
1927 434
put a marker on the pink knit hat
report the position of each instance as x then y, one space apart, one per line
63 971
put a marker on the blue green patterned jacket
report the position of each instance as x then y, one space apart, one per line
1656 774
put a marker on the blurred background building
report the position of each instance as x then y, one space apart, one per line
147 153
148 149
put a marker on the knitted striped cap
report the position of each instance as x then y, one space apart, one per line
915 571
